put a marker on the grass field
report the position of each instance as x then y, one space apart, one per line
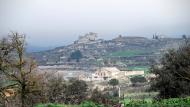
141 95
172 102
127 53
144 68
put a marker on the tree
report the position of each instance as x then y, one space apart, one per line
173 73
113 82
105 98
19 69
115 91
77 55
100 97
76 92
184 36
137 79
96 96
56 88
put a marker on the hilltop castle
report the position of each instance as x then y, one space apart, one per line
89 37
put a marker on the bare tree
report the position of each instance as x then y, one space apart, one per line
19 69
56 88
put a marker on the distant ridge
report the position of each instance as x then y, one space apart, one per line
31 49
126 50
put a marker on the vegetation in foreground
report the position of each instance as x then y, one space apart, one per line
173 102
173 73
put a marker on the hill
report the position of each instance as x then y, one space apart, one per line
121 52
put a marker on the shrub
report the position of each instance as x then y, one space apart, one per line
76 92
138 79
76 55
90 104
173 102
113 82
50 105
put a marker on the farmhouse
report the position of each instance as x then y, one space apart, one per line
107 73
100 74
84 77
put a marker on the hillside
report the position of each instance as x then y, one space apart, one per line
121 52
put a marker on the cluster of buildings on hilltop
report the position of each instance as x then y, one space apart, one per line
127 39
158 36
89 37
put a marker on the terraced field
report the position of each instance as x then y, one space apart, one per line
144 68
128 53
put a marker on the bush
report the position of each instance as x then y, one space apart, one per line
103 98
76 92
138 79
90 104
76 55
50 105
174 102
84 104
113 82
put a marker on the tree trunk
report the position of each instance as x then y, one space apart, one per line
23 96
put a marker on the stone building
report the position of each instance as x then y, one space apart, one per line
89 37
106 73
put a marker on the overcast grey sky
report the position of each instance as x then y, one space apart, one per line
59 22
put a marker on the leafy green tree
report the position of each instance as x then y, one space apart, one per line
77 55
138 79
184 36
173 73
113 82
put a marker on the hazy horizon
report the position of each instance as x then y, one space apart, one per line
50 23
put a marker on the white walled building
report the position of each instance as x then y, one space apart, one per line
131 73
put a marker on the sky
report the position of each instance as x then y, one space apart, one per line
49 23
